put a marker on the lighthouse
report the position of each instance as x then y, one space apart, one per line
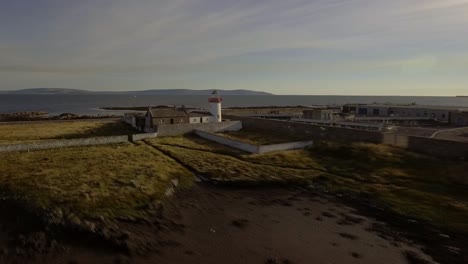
215 106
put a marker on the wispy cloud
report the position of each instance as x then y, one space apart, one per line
188 43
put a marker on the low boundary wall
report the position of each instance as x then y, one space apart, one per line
250 147
63 143
136 137
429 146
228 141
310 131
439 147
165 130
284 146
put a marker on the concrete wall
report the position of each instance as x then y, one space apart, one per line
439 147
137 137
284 146
228 141
250 147
310 131
181 129
435 147
459 118
395 139
63 143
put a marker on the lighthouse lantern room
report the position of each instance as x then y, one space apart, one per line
215 106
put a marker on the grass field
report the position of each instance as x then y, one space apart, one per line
123 181
256 138
31 132
410 184
126 181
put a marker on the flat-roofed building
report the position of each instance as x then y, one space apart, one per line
459 118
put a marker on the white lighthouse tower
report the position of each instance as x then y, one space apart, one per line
215 106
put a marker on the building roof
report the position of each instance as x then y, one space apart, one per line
199 114
167 112
434 107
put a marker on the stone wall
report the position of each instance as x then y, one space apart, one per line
181 129
439 147
63 143
310 131
250 147
136 137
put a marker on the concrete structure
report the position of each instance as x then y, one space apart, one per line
319 114
137 137
312 131
345 124
215 106
459 118
438 113
197 117
165 130
237 144
326 114
154 117
132 119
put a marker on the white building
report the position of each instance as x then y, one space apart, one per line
198 117
215 106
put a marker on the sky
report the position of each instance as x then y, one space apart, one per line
313 47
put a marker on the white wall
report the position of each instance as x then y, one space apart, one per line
250 147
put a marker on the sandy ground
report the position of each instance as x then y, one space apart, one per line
216 225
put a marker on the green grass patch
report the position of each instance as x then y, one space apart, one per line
417 186
33 132
257 138
214 162
115 181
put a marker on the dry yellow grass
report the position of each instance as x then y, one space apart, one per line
113 181
414 185
31 132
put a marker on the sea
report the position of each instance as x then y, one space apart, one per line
91 104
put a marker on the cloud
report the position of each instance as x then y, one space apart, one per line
198 40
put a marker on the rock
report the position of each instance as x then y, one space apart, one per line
90 226
175 182
133 184
169 191
55 216
444 236
453 250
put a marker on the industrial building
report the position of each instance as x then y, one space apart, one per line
420 112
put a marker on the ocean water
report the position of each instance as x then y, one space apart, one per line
90 104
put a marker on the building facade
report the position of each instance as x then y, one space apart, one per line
459 118
442 114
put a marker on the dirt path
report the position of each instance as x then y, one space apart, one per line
208 224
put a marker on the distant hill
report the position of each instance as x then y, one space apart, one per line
144 92
46 91
196 92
